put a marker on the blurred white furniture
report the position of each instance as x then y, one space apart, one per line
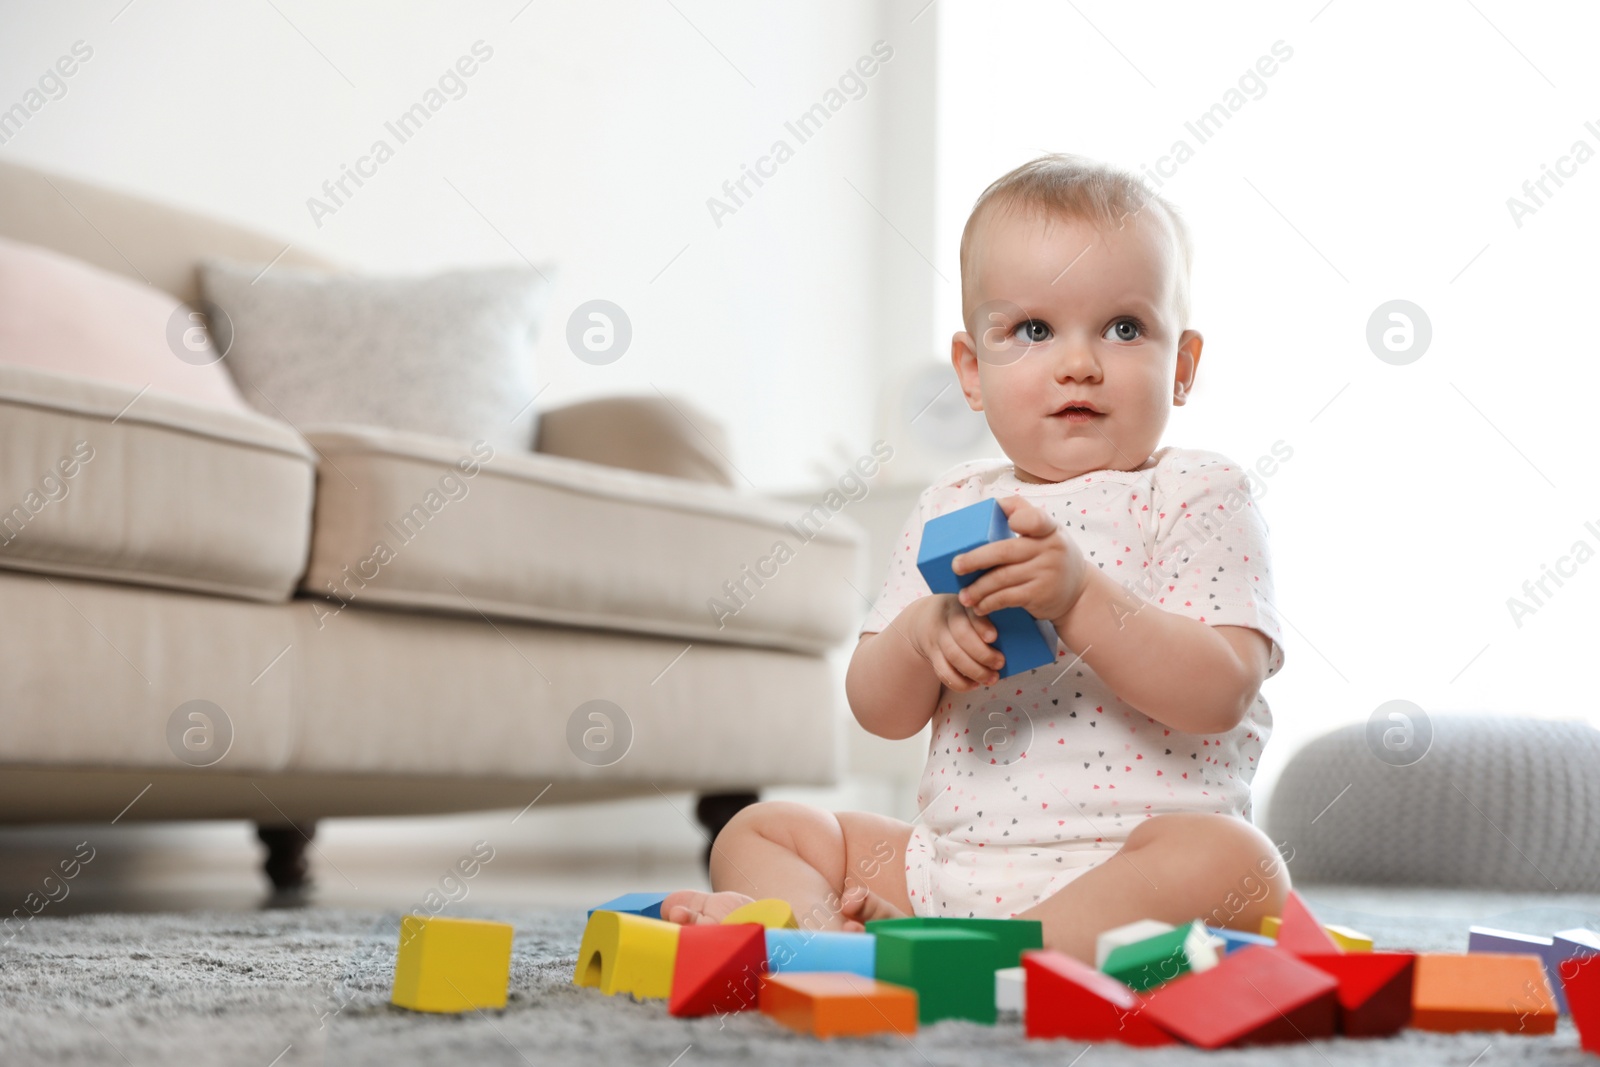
186 561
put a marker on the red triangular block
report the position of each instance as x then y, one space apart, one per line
1257 995
1300 933
1068 998
1580 976
718 968
1374 990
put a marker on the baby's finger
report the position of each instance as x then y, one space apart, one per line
964 661
981 625
1026 519
995 581
993 554
1009 595
976 636
949 676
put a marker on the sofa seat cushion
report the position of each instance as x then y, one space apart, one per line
405 520
101 480
102 675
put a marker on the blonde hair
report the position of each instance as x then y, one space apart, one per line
1076 187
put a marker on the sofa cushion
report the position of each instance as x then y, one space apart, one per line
655 434
99 480
60 314
98 675
413 521
449 354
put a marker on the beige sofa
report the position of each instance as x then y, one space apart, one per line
186 560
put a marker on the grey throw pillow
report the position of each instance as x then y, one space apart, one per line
448 354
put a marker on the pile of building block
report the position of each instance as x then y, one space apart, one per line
900 973
1298 979
1153 983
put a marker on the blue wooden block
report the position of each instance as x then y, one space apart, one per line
947 536
646 904
1488 939
796 951
1024 641
1233 940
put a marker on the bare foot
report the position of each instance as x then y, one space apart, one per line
860 905
689 906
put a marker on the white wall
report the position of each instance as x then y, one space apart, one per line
1376 165
591 140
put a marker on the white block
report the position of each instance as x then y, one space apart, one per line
1010 990
1581 938
1130 934
1203 948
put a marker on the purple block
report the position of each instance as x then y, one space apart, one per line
1576 944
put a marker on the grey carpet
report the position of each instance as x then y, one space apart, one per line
311 986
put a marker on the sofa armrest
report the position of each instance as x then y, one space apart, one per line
653 434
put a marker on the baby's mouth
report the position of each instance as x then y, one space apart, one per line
1077 412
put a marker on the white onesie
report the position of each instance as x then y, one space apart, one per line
1033 781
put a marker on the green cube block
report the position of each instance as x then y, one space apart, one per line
1015 936
951 970
1148 963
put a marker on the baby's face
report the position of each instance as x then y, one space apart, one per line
1063 313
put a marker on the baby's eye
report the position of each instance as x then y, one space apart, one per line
1032 332
1120 330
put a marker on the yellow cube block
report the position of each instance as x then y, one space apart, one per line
1348 939
625 953
770 912
452 965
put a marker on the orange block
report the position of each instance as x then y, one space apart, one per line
830 1004
1482 991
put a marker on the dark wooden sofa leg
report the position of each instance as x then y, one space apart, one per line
286 862
716 810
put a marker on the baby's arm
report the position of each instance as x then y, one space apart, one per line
896 675
1187 674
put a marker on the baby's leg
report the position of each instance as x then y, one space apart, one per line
1175 868
835 870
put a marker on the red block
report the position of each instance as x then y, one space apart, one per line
718 968
1374 990
1068 998
1300 933
1255 996
1580 976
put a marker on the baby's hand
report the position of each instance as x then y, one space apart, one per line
1043 570
956 642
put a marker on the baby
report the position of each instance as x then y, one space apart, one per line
1113 784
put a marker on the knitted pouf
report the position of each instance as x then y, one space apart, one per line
1490 802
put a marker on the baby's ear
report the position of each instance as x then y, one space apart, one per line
1187 364
964 358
